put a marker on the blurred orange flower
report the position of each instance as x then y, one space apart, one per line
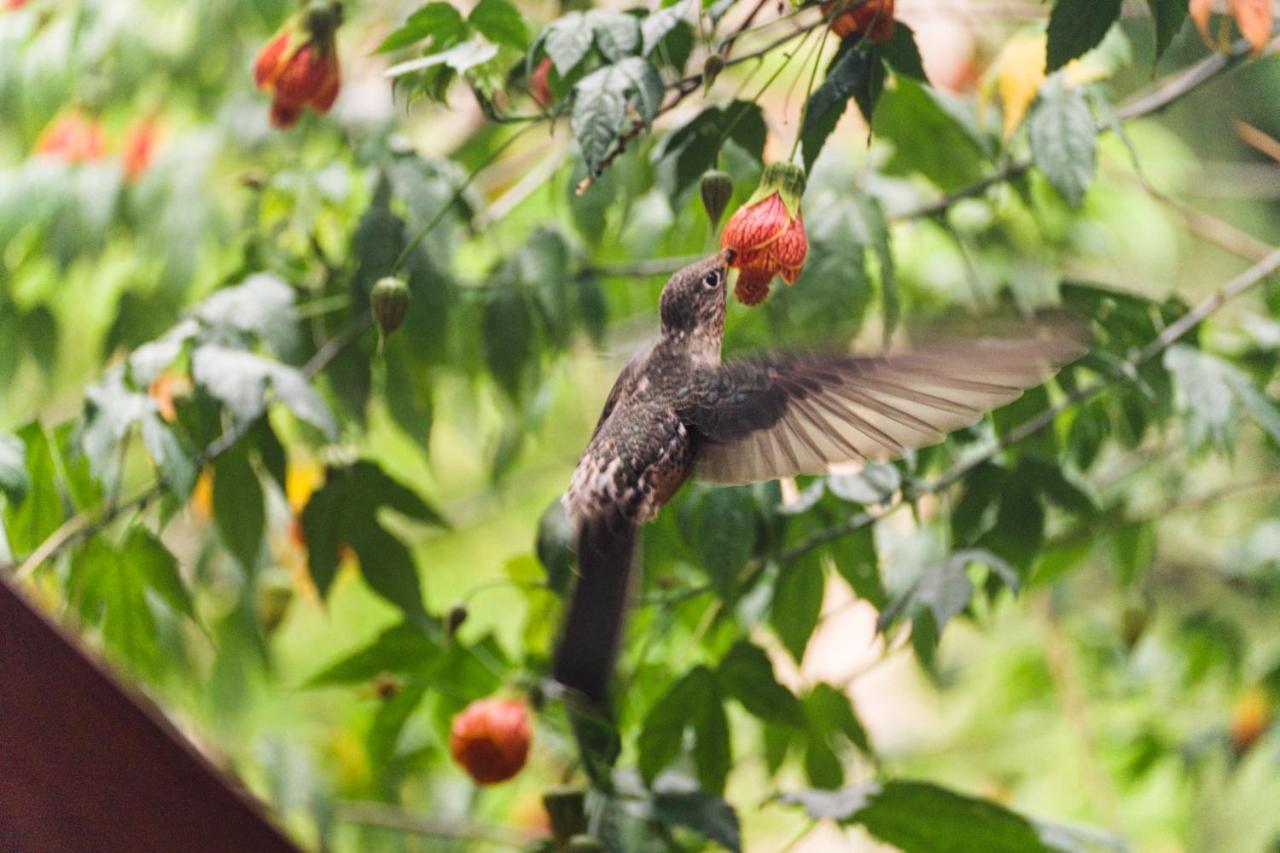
299 65
490 739
73 137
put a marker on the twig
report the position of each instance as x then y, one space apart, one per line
389 817
1152 101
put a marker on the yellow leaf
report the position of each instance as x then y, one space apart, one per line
1019 71
1254 19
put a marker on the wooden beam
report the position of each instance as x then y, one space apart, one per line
87 764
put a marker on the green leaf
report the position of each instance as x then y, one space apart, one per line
696 146
176 463
1133 547
461 57
876 227
344 511
500 22
1077 26
797 603
400 649
955 823
746 674
240 379
926 137
725 536
600 105
875 483
261 307
108 588
830 712
692 702
655 26
238 509
30 521
856 560
158 570
617 34
1168 17
555 546
856 72
438 21
567 40
944 589
1019 526
902 53
1202 395
708 815
1064 140
508 337
14 481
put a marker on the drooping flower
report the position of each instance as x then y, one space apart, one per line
768 233
73 137
299 65
870 18
490 739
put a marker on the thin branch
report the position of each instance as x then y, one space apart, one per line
1242 283
389 817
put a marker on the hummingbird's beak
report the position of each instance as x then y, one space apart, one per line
727 256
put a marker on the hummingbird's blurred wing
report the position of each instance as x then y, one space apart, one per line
778 416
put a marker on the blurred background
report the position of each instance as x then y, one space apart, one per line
1120 670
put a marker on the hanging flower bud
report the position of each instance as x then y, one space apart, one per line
870 18
299 65
711 68
457 615
716 189
768 233
389 303
73 137
540 83
490 739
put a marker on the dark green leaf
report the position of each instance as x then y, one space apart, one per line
917 817
109 588
856 560
238 509
501 22
240 379
655 26
797 602
1077 26
712 752
1168 17
663 728
696 145
555 546
508 339
829 711
926 137
746 674
1134 548
856 72
705 814
176 463
902 54
1064 140
617 34
725 536
692 702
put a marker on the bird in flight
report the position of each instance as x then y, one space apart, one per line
677 410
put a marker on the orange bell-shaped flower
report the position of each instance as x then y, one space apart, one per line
768 233
299 65
490 739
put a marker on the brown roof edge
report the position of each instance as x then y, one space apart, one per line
88 764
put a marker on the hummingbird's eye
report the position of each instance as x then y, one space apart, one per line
711 279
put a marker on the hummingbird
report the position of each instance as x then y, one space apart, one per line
677 410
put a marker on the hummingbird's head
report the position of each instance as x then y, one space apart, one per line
694 298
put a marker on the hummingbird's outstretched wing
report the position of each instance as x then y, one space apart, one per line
778 416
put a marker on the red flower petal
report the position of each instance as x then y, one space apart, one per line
303 76
792 247
270 60
752 286
490 739
328 92
755 226
284 115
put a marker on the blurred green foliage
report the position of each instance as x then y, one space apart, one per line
315 554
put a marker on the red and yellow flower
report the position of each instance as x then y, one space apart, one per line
872 19
768 233
490 739
299 66
73 137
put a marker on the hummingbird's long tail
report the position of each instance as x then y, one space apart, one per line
589 638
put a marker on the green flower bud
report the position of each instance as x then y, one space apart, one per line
583 843
786 179
389 304
716 189
711 68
